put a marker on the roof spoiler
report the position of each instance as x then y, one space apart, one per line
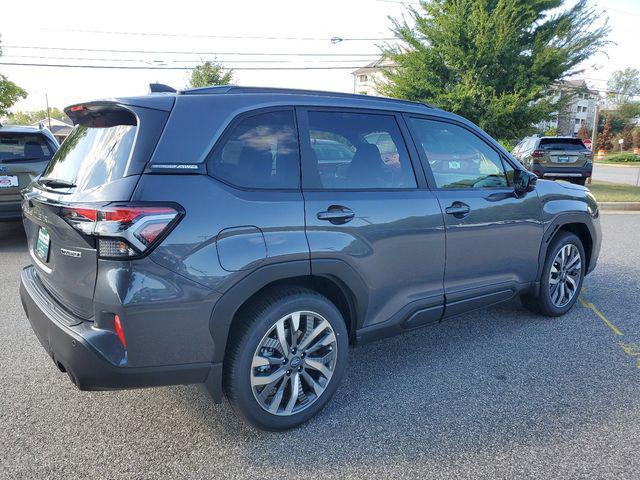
161 88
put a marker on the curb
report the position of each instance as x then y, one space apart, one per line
616 165
624 206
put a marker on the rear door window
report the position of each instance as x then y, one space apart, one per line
260 151
357 151
16 147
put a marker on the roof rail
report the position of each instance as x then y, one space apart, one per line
161 88
220 89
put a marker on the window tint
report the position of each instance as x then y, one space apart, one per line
21 146
260 152
357 151
561 144
92 156
458 158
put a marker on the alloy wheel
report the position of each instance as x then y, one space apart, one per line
294 363
564 276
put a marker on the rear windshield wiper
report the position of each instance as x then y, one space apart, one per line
56 183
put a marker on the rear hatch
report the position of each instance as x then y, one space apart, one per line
98 164
23 156
563 152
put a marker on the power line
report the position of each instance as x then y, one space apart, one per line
234 37
195 60
183 52
150 67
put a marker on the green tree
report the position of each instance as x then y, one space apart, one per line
624 85
28 118
492 61
10 93
210 73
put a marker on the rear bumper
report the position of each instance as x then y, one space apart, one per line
547 171
73 346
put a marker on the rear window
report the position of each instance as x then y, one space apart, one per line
93 155
16 147
561 144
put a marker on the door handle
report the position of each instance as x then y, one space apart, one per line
458 209
337 214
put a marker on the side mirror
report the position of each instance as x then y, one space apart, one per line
524 181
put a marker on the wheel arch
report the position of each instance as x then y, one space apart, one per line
333 279
577 223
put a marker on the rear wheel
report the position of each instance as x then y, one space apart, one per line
579 181
286 359
562 277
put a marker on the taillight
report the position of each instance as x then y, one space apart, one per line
537 153
124 230
117 326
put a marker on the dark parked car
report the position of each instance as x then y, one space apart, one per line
24 153
564 158
196 237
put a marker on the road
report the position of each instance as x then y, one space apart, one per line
500 393
616 174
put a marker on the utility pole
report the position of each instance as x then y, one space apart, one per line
596 119
594 134
46 99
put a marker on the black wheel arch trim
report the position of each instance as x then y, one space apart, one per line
554 226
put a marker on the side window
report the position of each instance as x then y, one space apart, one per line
457 157
357 151
260 152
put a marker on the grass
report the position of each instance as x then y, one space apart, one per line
614 192
617 158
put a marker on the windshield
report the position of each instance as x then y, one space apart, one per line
92 156
24 146
562 144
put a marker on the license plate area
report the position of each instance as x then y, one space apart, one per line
42 244
563 159
8 181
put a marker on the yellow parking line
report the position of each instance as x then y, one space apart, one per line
591 306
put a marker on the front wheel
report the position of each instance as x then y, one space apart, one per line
562 277
286 359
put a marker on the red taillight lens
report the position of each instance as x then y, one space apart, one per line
117 326
537 153
123 230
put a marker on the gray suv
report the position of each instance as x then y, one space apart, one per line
24 154
243 238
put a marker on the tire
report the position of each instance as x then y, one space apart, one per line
546 302
255 352
579 181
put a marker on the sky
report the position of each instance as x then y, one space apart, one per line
244 34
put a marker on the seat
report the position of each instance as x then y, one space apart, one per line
366 169
33 150
254 163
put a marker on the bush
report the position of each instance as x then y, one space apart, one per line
507 144
622 158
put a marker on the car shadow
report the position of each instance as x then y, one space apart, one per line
496 377
12 237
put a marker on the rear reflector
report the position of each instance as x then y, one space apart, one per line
123 230
118 328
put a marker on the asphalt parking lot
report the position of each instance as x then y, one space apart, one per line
500 393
